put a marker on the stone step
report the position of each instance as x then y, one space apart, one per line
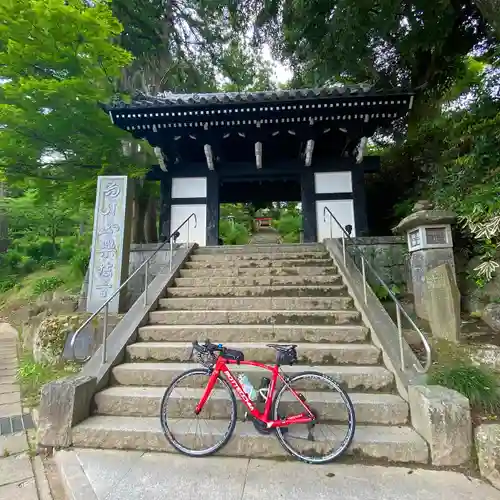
233 272
251 333
387 409
257 291
361 378
256 303
216 264
245 257
256 317
319 354
247 281
395 444
245 249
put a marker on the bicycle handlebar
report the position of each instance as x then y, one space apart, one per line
207 347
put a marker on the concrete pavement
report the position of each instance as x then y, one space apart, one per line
20 477
117 475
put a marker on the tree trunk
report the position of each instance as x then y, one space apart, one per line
138 211
490 10
141 213
150 222
135 218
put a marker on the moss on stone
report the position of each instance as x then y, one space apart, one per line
50 337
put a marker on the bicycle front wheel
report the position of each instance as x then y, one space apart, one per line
203 434
331 434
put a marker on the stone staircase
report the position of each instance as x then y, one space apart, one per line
244 297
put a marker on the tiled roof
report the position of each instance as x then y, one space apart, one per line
171 99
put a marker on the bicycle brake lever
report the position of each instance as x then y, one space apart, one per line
194 344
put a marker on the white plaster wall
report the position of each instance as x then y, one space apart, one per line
189 187
333 182
179 214
343 210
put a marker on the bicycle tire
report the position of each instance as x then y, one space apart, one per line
166 430
351 419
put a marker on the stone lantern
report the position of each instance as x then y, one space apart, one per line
430 245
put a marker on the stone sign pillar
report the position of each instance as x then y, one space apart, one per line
109 258
443 302
430 245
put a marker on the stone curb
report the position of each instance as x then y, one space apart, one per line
75 482
41 481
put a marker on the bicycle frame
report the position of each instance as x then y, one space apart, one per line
221 367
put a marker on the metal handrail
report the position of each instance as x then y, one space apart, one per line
399 307
171 240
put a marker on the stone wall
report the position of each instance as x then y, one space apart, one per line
388 255
138 255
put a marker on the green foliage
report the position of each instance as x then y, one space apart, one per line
43 234
47 285
59 61
289 225
233 233
454 161
80 262
7 283
242 214
382 293
477 383
419 44
34 218
189 47
32 376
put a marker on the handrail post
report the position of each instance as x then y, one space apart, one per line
170 254
363 270
105 334
343 247
400 333
146 277
188 227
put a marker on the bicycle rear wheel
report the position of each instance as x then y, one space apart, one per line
332 433
203 434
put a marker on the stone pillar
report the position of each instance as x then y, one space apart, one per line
430 245
212 208
308 206
109 259
165 207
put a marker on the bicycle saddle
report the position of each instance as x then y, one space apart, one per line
282 347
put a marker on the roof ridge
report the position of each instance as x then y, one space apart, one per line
338 89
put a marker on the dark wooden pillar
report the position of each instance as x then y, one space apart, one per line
359 200
212 208
165 207
308 205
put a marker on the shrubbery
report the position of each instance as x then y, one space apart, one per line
233 233
477 383
289 226
43 235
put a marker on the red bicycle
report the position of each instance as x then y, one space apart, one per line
189 403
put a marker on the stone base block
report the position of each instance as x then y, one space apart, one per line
63 404
442 417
